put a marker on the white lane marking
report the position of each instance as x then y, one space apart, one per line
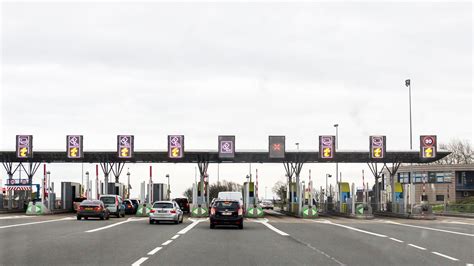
154 251
456 222
352 228
469 264
167 242
174 237
48 221
271 227
396 240
189 227
108 226
17 217
444 256
418 247
432 229
139 261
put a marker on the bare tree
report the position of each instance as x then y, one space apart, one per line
461 152
280 190
188 193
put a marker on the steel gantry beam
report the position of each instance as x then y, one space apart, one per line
213 157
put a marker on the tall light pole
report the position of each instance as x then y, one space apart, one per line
128 183
168 192
327 193
88 188
407 84
297 146
49 189
337 146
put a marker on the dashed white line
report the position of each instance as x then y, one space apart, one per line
108 226
154 251
139 261
418 247
444 256
432 229
17 217
40 222
189 227
396 240
469 264
174 237
352 228
167 242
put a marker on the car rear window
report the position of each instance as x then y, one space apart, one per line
227 205
108 200
88 202
163 205
134 201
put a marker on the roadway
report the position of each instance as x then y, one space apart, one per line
275 240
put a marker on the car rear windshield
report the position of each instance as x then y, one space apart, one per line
134 201
108 200
163 205
90 202
227 205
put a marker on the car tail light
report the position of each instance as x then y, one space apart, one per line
98 209
152 211
241 211
213 211
173 211
187 204
81 208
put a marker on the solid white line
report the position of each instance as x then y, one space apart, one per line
445 256
432 229
48 221
189 227
174 237
108 226
455 222
353 228
418 247
17 217
271 227
154 251
397 240
139 261
167 242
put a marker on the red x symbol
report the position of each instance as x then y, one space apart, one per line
276 146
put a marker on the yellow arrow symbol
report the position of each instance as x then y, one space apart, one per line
23 152
73 152
175 152
124 152
428 152
377 152
327 152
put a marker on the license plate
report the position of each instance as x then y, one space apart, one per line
226 213
162 212
88 209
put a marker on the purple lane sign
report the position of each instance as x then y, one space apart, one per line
125 146
74 146
176 146
227 147
24 146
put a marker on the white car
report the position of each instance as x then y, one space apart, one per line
266 204
166 211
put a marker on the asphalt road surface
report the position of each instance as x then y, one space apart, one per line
274 240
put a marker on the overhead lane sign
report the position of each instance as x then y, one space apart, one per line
125 146
226 147
377 147
74 146
176 146
428 147
24 146
326 147
276 146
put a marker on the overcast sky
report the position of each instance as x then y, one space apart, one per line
245 69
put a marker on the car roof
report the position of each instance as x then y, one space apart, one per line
109 195
163 201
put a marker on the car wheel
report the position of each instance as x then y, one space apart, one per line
107 217
118 214
123 215
151 221
177 221
212 226
86 218
102 217
78 217
241 226
182 218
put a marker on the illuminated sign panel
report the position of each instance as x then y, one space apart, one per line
377 147
176 146
125 146
74 146
24 146
276 146
326 147
226 147
428 147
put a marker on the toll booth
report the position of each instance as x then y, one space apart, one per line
251 206
69 191
114 189
309 210
344 196
293 200
398 201
200 204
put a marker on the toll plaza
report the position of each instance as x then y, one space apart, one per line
301 201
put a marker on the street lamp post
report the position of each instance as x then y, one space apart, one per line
48 174
128 183
411 199
327 193
87 183
337 146
168 192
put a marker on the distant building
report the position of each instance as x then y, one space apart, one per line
443 182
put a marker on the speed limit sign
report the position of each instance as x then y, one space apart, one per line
428 147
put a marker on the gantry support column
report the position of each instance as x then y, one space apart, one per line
106 169
10 172
377 175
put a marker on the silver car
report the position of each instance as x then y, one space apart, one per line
166 211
